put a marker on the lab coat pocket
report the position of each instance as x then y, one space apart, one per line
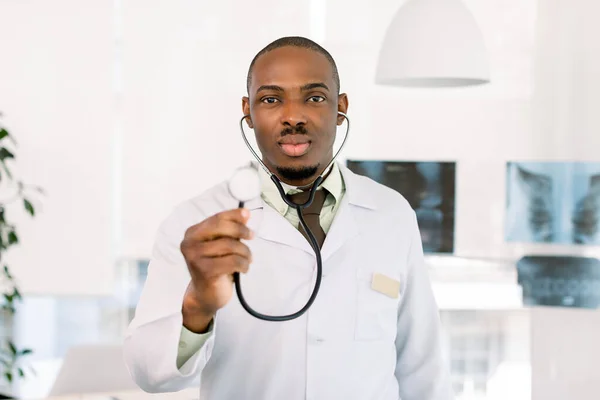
377 307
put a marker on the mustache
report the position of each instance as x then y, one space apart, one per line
301 129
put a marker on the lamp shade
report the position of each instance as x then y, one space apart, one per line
433 43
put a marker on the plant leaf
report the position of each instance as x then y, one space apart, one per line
29 207
24 352
5 153
21 372
3 133
8 173
7 272
12 347
12 238
9 376
9 308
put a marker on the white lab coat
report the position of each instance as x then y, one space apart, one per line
353 343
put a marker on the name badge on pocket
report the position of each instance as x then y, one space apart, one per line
385 285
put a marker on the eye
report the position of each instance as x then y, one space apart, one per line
316 99
269 100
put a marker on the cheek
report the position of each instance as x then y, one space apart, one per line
329 133
264 136
264 124
260 139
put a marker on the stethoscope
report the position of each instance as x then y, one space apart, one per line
244 186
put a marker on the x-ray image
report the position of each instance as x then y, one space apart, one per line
553 202
560 281
429 187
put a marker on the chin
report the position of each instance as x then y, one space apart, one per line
297 172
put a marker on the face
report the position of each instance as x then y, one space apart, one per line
293 106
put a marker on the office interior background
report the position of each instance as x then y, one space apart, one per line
122 109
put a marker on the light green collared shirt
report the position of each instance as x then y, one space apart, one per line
334 184
190 342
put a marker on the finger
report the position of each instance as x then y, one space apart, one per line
224 247
222 228
226 224
226 265
239 215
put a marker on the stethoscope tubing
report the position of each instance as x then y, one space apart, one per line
311 238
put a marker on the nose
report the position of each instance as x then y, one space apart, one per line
293 114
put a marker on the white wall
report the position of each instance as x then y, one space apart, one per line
141 112
564 353
547 64
56 95
184 74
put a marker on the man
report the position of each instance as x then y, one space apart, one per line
373 331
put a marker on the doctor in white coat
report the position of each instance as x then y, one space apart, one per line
373 331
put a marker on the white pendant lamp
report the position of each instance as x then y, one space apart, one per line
433 43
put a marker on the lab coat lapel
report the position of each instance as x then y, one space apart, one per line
342 229
269 225
345 226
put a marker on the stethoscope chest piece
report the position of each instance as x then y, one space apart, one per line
244 184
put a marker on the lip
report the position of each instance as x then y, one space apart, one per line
295 149
293 139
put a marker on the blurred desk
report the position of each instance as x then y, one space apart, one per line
38 387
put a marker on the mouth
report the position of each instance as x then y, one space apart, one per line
295 149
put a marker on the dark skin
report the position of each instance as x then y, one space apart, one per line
293 88
293 98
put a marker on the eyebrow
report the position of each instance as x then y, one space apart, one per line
315 85
304 88
270 87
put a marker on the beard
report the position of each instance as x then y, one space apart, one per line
298 173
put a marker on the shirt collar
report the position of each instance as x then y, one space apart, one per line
333 183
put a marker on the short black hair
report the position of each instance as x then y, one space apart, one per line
294 41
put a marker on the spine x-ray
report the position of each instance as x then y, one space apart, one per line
553 202
561 281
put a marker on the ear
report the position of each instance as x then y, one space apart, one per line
246 111
342 107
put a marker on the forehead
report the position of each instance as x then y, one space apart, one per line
291 67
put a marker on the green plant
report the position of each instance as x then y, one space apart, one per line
11 365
